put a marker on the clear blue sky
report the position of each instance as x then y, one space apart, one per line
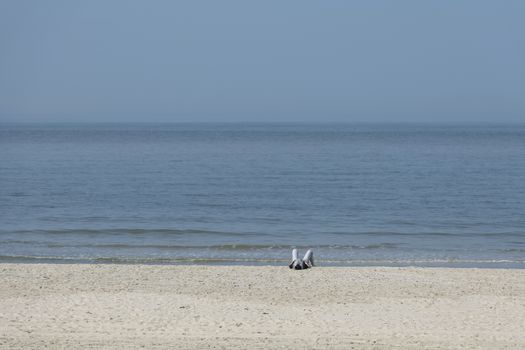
257 61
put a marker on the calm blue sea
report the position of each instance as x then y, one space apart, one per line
400 194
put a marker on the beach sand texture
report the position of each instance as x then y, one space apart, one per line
221 307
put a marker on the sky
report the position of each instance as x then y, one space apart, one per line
257 61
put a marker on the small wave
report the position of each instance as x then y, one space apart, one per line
479 263
132 231
126 260
195 232
18 194
223 247
196 261
511 250
429 234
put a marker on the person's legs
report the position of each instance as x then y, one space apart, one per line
309 258
296 262
294 254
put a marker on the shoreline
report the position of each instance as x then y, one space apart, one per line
445 264
115 306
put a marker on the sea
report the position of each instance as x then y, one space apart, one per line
247 193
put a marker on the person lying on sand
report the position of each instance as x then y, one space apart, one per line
301 264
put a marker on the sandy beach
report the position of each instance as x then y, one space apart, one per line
196 307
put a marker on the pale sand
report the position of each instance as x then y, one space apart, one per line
199 307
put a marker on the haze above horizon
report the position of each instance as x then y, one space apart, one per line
234 61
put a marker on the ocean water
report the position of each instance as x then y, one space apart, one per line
358 194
